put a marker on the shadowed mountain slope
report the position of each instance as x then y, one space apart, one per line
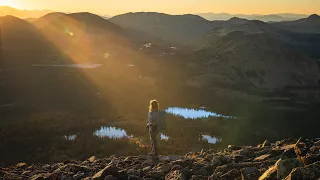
181 29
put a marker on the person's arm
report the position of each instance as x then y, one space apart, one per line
149 121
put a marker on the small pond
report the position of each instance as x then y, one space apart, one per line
111 133
193 113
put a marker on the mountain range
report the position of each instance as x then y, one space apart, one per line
229 54
266 18
6 10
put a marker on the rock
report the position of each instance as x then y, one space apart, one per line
122 174
108 170
278 143
248 152
21 165
110 177
73 168
133 172
183 163
232 174
239 158
284 167
316 143
41 176
199 171
209 156
198 177
289 153
148 162
175 175
271 173
225 158
300 174
262 157
216 161
146 170
233 147
156 174
266 143
92 159
79 175
315 168
176 167
132 177
275 152
250 173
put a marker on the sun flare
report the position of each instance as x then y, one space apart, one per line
10 3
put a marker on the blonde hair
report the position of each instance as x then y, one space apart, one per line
154 105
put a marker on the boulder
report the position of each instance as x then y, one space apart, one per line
234 148
284 167
133 177
266 143
175 175
92 159
239 158
108 170
146 170
317 143
156 174
73 168
215 161
133 172
301 174
250 173
232 174
21 165
198 177
262 157
271 173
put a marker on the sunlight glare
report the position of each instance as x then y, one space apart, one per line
106 55
9 3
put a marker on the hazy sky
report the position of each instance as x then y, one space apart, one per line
112 7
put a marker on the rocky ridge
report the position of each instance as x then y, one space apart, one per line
288 159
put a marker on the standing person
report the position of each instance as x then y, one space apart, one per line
152 126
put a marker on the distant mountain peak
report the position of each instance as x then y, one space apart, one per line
314 16
237 20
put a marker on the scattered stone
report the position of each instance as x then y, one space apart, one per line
198 177
266 144
175 175
133 172
92 159
146 170
300 174
284 167
232 174
21 165
108 170
271 173
250 173
239 158
236 162
262 157
233 147
215 161
134 177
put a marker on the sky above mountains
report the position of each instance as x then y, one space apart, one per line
113 7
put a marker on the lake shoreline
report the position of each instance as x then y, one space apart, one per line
285 159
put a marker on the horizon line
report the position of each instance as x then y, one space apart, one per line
160 12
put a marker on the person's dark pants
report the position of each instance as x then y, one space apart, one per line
153 139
